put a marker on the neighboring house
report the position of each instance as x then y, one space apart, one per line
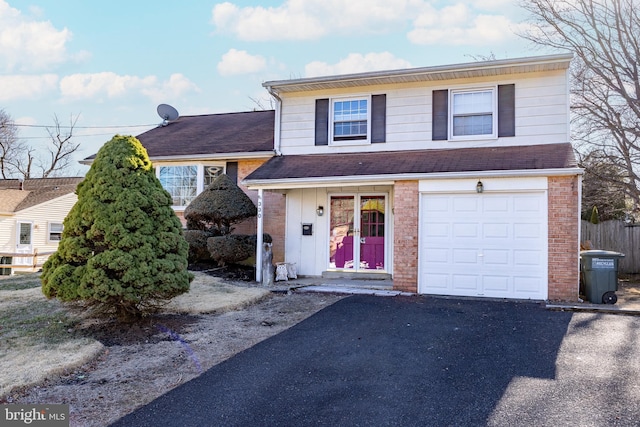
190 152
452 180
31 216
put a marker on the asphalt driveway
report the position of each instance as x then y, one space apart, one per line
418 361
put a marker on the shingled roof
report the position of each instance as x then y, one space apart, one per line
228 133
543 156
14 197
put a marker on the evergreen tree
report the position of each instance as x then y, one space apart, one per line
122 248
595 218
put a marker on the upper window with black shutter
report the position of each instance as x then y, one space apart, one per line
354 120
474 113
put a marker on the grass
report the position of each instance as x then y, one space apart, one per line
41 338
21 281
37 336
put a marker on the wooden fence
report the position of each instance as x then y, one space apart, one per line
33 265
616 236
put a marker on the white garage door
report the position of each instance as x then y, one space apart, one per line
491 245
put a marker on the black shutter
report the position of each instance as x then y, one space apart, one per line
322 122
232 171
507 110
378 118
440 115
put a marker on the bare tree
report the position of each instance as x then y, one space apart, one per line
10 145
604 36
602 188
18 159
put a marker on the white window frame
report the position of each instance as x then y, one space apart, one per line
494 112
200 167
355 141
49 231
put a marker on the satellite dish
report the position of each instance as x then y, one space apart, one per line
167 113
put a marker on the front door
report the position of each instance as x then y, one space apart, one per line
24 242
357 227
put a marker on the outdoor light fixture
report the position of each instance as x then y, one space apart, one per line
320 211
479 187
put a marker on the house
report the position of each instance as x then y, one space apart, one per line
190 152
452 180
31 217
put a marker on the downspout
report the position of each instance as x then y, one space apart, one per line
277 128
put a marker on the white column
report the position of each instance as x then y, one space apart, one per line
259 239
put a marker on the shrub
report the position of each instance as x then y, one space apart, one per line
197 240
218 207
122 248
233 248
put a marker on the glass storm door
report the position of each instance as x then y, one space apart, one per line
23 242
357 227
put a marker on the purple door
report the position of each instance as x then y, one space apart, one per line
372 232
368 232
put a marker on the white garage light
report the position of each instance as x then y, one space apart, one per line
479 187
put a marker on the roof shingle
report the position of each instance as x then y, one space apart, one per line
543 156
34 191
245 132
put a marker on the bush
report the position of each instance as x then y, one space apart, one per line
233 248
122 248
218 207
197 240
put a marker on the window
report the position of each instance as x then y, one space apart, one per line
350 120
55 231
184 183
360 120
472 113
181 182
210 174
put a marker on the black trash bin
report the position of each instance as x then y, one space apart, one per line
600 275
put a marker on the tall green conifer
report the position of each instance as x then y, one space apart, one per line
122 248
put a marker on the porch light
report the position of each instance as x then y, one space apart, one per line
479 187
320 210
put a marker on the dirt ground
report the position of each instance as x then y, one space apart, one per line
144 361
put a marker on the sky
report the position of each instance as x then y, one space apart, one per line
108 65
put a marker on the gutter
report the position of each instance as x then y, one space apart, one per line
201 157
389 179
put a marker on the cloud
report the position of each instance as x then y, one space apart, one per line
112 85
26 86
459 25
357 63
312 19
27 44
236 62
474 22
177 86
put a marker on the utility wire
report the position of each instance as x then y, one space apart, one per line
84 127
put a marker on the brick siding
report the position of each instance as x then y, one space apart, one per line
563 238
405 237
274 211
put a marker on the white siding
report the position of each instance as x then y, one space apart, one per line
541 115
41 215
310 253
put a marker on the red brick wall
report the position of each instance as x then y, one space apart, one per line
405 236
563 238
274 211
